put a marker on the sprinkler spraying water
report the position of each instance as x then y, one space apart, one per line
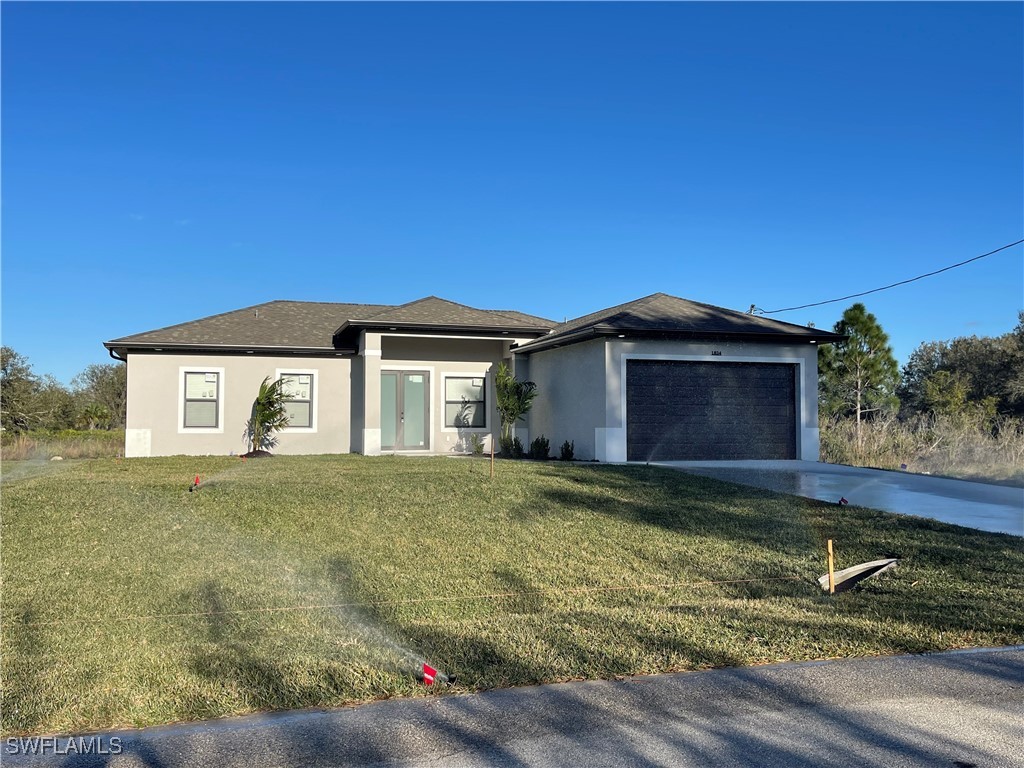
376 646
429 676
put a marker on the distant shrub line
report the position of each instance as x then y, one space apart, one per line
66 443
970 446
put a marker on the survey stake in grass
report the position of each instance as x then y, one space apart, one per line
324 581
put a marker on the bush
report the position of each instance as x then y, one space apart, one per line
540 448
511 448
476 443
568 450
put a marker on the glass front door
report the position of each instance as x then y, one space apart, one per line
404 410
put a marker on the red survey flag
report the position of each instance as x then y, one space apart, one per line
428 674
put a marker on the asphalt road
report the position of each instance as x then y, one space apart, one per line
953 709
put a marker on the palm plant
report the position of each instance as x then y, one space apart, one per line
514 399
94 416
268 416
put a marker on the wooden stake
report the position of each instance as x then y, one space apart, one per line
492 457
831 570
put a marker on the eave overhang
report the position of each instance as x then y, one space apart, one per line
348 333
607 331
123 348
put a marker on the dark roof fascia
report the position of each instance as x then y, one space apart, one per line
224 349
561 340
604 331
820 337
445 328
405 325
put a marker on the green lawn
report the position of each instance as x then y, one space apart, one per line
128 600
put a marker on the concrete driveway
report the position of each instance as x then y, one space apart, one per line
987 507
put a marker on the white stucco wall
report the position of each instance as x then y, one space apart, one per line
155 396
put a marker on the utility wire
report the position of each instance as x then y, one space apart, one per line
884 287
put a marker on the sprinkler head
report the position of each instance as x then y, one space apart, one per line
428 676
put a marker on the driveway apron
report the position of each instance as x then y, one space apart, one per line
995 508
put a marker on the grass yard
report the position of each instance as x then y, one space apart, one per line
321 581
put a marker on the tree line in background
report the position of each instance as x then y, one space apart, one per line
956 408
96 399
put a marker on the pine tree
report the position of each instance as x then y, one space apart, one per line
858 376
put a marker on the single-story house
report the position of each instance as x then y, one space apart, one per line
658 378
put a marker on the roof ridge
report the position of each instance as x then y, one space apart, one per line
503 313
331 303
759 318
386 307
208 317
608 311
174 326
494 312
664 312
500 312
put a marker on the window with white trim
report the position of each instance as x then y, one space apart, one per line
465 402
202 399
297 389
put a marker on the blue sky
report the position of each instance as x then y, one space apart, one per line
163 161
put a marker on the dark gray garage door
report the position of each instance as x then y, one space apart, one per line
705 411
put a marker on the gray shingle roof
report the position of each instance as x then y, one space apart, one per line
301 324
312 325
432 310
662 313
307 325
527 319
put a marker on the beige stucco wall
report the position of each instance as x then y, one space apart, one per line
581 393
570 402
438 357
155 395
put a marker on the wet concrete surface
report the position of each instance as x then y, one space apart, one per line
995 508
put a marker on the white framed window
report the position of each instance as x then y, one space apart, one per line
465 402
200 400
300 392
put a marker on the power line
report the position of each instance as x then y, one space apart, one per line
884 287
